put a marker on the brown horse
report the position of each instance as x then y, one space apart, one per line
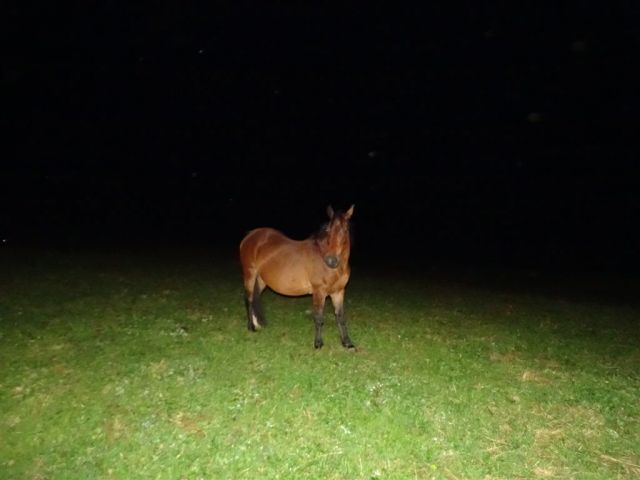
317 266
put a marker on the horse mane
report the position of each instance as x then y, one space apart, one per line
322 232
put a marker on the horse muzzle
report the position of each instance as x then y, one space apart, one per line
332 261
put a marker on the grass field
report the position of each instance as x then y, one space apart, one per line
140 366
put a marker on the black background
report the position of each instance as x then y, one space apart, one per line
468 132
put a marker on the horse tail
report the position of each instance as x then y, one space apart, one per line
255 295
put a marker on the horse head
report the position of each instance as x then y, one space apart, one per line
334 240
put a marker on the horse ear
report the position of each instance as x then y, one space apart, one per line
349 212
330 212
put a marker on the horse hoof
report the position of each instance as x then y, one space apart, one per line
318 344
348 344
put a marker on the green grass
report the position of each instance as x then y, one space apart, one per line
140 366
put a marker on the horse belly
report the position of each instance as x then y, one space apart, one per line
287 281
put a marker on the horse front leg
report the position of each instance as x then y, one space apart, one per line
338 305
318 310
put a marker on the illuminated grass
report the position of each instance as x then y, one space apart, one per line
135 367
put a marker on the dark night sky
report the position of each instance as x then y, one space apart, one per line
475 132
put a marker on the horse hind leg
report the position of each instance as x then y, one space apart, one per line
257 303
255 316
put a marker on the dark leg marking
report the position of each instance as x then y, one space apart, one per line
342 326
319 321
